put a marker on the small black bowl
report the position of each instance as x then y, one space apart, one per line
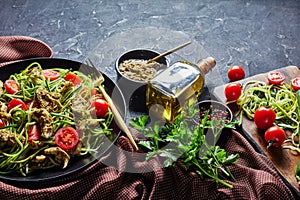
134 91
216 109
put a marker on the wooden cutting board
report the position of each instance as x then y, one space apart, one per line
284 160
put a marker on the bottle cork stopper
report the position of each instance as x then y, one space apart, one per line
206 64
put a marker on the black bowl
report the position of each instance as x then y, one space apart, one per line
216 109
77 163
134 91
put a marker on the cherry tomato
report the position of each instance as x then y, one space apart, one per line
2 123
296 83
34 133
233 91
264 117
275 77
73 78
275 136
11 86
101 106
236 73
50 74
94 92
66 138
16 103
29 103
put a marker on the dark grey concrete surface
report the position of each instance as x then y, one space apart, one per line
258 35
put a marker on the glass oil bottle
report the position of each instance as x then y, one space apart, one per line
178 85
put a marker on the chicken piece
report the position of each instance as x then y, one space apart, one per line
67 87
35 144
80 105
34 72
3 107
48 100
45 120
61 156
81 113
35 75
39 159
7 138
76 151
3 111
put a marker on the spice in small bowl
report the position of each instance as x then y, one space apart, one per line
214 110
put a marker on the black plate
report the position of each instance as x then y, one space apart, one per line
78 163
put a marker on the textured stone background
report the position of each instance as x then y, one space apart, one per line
259 35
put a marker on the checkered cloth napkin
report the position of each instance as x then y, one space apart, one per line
14 48
112 177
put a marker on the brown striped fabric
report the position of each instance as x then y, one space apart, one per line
255 175
124 174
14 48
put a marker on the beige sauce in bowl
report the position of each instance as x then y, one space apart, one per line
139 69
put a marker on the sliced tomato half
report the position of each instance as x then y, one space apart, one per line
34 133
50 74
73 78
296 83
11 86
275 77
66 138
16 103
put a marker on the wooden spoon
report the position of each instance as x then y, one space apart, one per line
169 52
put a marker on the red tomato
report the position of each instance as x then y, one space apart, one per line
73 78
296 83
264 117
2 123
34 104
275 136
11 86
34 133
94 92
101 106
233 91
16 103
66 138
50 74
275 77
235 73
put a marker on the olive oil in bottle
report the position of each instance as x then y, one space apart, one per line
178 85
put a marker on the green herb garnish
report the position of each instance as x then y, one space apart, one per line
191 143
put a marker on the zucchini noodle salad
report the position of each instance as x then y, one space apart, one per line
282 99
49 117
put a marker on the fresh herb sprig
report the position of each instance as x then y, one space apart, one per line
188 142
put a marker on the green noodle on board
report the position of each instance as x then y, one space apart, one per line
281 98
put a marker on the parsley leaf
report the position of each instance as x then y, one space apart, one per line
189 142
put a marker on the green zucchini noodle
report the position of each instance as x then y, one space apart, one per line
282 99
51 105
